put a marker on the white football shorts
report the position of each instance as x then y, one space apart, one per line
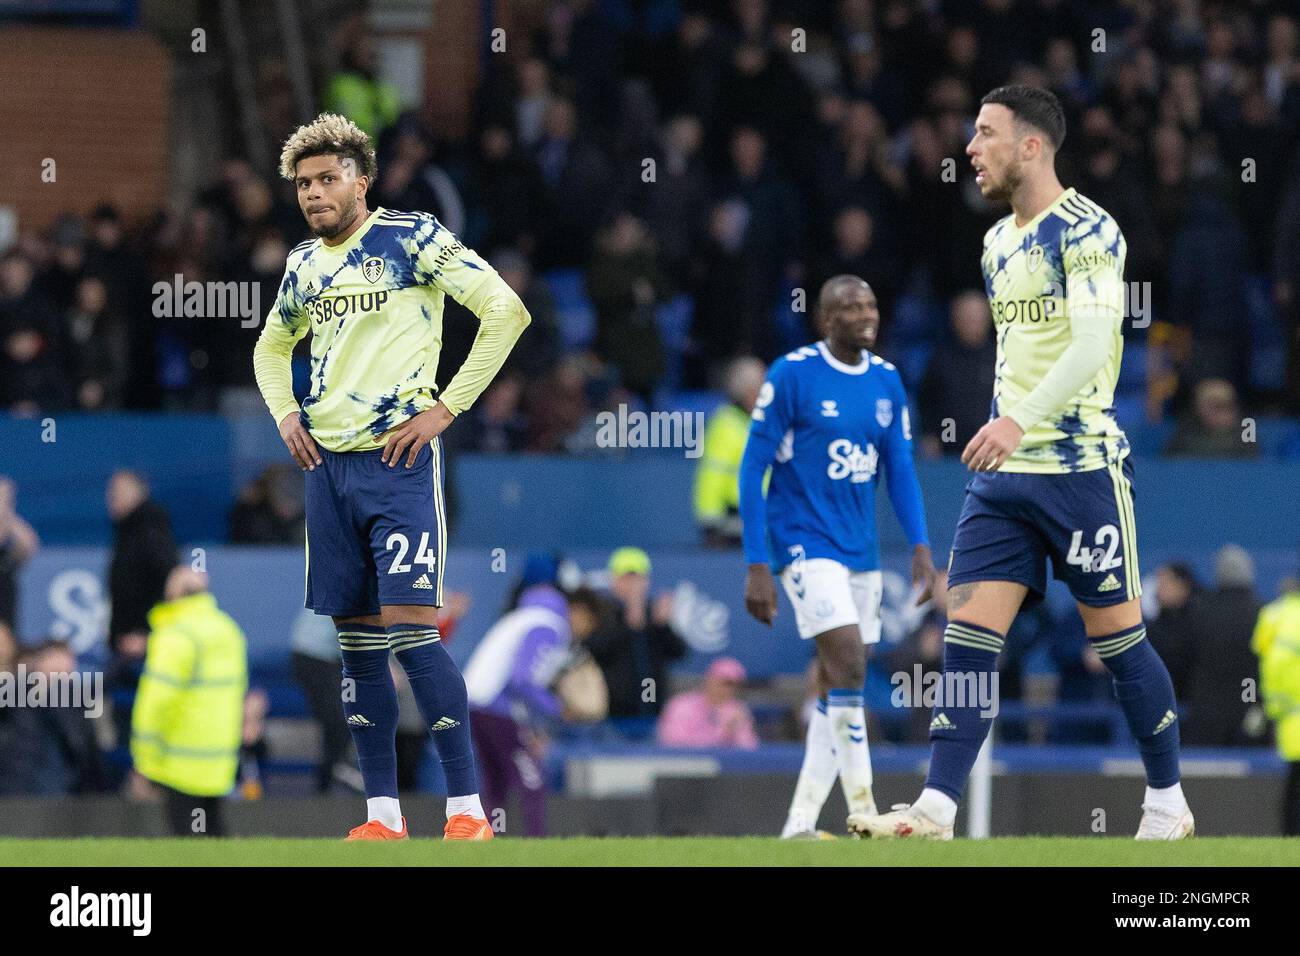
827 595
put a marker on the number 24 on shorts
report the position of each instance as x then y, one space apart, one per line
423 554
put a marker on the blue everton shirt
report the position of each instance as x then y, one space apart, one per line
828 430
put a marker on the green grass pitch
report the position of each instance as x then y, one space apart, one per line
654 851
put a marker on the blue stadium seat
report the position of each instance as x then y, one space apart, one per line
576 314
1133 370
674 321
912 361
915 319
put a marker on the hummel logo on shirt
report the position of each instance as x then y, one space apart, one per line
446 723
1110 584
829 409
423 582
1165 722
357 720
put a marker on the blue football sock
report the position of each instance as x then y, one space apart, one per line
1146 695
370 705
439 690
958 732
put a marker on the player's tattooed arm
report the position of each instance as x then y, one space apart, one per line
959 595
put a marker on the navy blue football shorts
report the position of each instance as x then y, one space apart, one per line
375 535
1012 524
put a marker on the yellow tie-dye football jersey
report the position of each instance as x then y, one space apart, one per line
1065 265
374 307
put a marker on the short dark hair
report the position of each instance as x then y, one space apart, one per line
1033 105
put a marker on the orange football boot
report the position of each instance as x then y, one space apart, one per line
374 830
462 826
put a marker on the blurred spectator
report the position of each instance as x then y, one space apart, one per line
507 200
857 250
580 685
558 404
717 491
31 372
1215 429
538 349
576 182
509 678
98 348
1170 630
270 509
357 92
1276 641
1286 284
409 179
144 554
634 650
57 281
1208 258
714 715
318 669
48 747
187 725
676 207
496 424
18 542
1222 658
955 395
625 285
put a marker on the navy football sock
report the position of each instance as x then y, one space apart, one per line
1146 695
439 690
370 705
958 732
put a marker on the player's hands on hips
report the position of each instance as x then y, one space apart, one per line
993 444
414 433
299 442
924 573
760 593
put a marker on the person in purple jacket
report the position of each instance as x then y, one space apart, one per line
508 678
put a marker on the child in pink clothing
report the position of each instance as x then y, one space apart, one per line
712 716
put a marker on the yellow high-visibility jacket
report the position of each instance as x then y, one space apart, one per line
1277 642
189 710
717 485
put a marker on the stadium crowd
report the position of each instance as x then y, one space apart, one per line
661 186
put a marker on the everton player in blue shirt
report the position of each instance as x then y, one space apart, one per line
830 418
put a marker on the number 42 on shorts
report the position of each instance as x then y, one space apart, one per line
1100 558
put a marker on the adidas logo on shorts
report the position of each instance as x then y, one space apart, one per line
941 722
1110 584
423 582
446 723
357 720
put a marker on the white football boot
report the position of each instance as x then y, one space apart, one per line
1161 824
899 823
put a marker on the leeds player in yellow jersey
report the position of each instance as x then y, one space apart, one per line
370 288
1053 479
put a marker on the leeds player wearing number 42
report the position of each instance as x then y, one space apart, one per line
370 288
829 419
1053 479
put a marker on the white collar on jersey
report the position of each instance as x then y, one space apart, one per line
839 366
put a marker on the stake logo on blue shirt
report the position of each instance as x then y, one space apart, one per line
828 430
